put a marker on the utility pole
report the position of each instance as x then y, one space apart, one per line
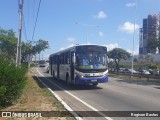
20 10
134 37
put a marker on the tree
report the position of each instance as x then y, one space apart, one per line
141 58
152 44
26 50
148 58
8 43
118 54
41 45
33 48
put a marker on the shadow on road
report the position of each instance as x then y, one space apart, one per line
157 87
57 85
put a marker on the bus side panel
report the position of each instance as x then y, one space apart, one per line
64 69
62 72
54 70
50 65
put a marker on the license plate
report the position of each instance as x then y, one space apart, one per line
94 80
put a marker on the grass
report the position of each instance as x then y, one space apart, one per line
36 98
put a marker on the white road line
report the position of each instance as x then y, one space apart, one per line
59 99
91 107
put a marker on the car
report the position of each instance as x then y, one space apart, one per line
42 63
121 69
47 69
144 72
126 70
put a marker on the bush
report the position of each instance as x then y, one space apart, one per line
152 66
12 81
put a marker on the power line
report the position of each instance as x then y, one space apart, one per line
36 20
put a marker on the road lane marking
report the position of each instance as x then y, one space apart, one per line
59 99
91 107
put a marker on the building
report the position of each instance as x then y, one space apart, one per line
149 30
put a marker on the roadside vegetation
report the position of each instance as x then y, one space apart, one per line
12 77
19 89
117 54
122 69
36 97
12 81
151 67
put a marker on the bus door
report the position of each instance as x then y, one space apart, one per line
72 66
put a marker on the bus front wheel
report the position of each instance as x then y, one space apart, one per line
94 84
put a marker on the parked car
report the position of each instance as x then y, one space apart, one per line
121 69
47 69
126 70
144 72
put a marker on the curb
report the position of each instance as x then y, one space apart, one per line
61 101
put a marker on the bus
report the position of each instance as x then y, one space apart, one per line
80 64
42 63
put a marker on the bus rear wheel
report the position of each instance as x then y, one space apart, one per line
53 74
67 78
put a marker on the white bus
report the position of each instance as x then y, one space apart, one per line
42 63
81 64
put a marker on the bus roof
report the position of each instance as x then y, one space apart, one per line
74 47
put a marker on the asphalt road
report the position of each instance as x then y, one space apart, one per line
116 95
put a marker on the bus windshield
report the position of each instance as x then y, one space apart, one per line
91 60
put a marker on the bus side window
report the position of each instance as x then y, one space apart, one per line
77 60
61 59
68 59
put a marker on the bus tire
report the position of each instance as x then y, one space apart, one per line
67 78
94 84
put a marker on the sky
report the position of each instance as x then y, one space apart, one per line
64 23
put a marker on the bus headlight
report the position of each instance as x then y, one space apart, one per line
81 76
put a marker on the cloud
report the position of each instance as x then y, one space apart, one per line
71 39
130 4
128 27
100 34
115 45
112 46
136 50
100 15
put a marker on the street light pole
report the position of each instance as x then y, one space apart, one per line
18 56
134 38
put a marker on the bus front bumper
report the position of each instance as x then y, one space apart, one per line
89 80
